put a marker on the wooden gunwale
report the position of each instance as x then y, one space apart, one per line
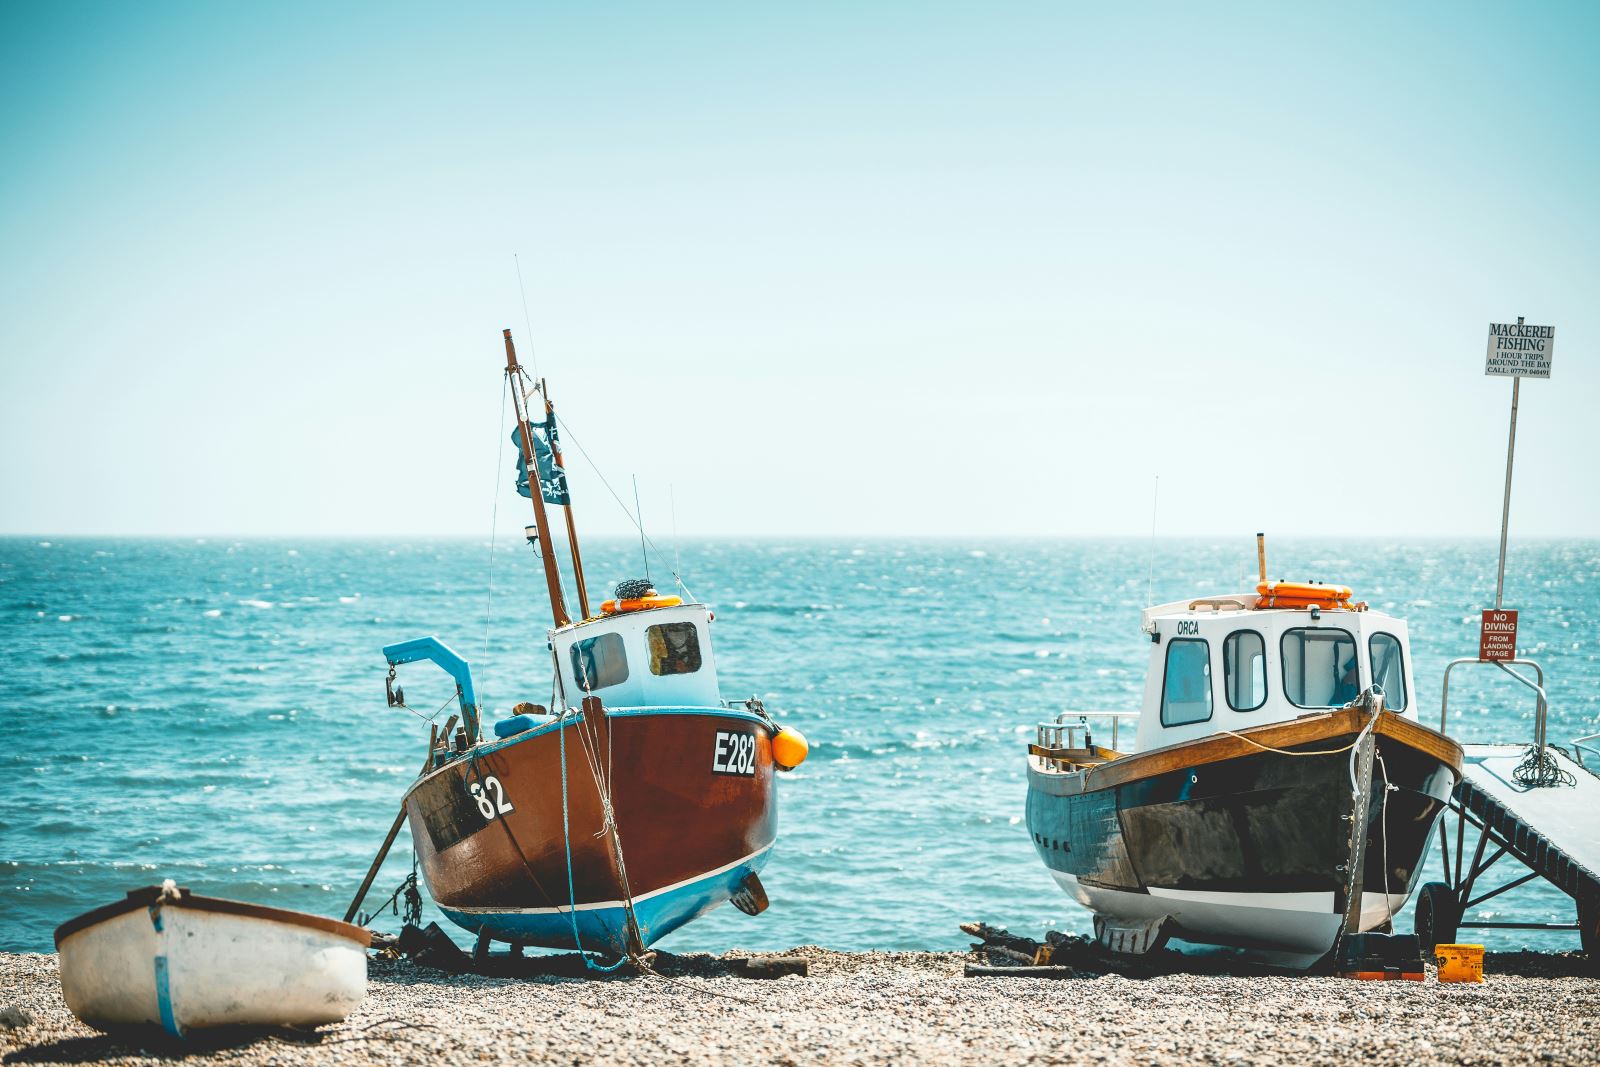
486 747
151 896
1308 729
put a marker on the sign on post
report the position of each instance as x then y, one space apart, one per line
1498 638
1519 351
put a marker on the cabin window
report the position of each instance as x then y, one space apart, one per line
1186 689
674 648
1388 669
1244 670
599 662
1319 668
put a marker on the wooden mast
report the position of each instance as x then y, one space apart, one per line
566 512
552 576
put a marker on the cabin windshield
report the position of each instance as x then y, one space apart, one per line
1244 669
1319 667
599 663
1186 689
674 648
1388 670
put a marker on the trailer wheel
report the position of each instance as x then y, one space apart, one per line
1437 916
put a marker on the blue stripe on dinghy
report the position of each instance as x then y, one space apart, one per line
602 928
169 1021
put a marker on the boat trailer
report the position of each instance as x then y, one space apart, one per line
1534 803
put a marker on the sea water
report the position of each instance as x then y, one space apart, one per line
213 711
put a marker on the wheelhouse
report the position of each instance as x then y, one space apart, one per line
1223 664
655 657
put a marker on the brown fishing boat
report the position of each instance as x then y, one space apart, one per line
636 803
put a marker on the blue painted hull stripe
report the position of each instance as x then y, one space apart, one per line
756 858
660 912
169 1021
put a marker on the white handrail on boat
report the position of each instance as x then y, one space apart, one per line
1063 734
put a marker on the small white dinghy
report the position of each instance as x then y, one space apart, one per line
166 957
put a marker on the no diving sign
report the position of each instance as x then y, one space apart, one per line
1498 639
1519 351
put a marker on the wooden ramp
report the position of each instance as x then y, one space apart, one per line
1553 829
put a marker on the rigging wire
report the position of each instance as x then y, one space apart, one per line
522 290
494 518
639 511
677 561
566 428
1150 578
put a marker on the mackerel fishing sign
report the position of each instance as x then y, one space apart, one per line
1518 350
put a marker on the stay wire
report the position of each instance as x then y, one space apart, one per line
494 519
527 320
566 428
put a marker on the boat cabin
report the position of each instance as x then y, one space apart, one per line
651 657
1226 663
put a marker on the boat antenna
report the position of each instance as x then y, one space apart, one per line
677 560
552 576
1261 555
1150 577
566 509
639 514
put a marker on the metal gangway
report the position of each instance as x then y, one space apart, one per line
1538 804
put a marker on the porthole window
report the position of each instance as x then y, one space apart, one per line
674 648
1319 667
1388 669
1244 670
1186 688
599 662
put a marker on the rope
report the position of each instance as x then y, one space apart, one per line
1534 771
572 891
1288 752
428 718
1383 826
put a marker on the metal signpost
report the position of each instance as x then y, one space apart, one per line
1518 351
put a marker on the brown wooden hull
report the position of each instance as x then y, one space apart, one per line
693 797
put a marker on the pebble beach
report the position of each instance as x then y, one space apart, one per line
870 1008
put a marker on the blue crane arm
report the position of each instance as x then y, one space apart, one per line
437 652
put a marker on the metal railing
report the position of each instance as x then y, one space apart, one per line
1543 706
1062 733
1580 745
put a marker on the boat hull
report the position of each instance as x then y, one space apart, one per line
692 792
1234 845
185 963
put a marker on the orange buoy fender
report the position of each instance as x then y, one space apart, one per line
1302 595
617 607
789 748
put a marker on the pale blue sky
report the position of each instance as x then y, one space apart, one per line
826 268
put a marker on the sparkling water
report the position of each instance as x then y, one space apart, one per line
213 711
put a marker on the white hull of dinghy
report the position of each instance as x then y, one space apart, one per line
1299 927
183 968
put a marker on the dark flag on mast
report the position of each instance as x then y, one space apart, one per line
546 446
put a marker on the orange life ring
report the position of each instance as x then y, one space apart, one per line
618 607
1302 595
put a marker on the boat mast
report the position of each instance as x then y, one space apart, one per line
566 512
552 576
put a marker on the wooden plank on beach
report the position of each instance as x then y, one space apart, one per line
978 970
